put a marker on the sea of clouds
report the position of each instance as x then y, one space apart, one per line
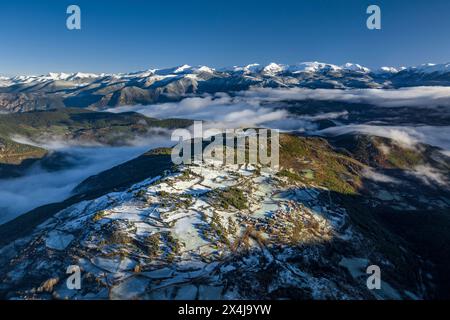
258 107
40 186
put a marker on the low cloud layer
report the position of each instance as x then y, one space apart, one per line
379 177
224 111
39 186
258 107
410 97
220 109
430 176
407 135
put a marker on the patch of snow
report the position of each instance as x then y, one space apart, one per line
58 240
114 265
130 289
273 69
355 67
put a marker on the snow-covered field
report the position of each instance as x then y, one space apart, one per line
180 237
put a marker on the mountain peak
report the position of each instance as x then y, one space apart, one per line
388 70
312 66
432 67
58 75
273 68
182 68
355 67
205 69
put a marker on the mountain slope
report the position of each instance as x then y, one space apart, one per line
12 152
235 232
21 134
83 125
102 91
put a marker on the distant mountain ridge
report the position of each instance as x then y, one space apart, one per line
102 91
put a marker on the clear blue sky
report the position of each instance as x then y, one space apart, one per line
120 36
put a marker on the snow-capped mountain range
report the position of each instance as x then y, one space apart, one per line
254 68
101 91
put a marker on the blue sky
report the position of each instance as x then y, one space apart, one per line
120 36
